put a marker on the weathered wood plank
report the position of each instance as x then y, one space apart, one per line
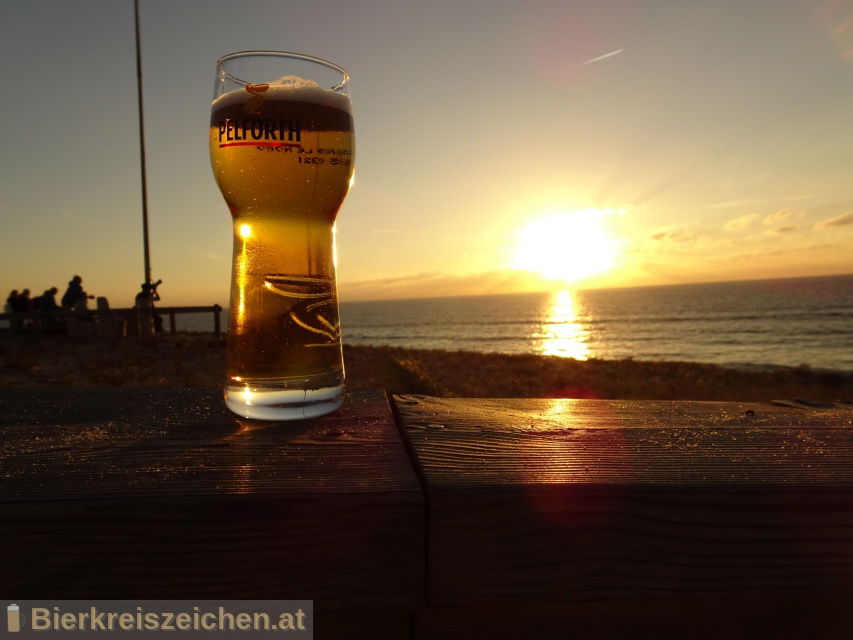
487 442
164 493
577 501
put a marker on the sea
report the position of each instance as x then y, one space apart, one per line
763 324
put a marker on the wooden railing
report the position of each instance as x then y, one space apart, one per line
440 518
121 322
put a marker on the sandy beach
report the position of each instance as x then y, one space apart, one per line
197 360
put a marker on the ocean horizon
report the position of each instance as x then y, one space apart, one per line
786 322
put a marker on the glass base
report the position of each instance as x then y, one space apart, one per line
270 403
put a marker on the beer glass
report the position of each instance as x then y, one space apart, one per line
281 149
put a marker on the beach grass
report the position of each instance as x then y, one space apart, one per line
197 360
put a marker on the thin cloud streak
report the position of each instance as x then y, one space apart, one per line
600 58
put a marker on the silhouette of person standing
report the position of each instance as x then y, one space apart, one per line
74 293
146 298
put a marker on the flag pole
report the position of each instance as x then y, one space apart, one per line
142 149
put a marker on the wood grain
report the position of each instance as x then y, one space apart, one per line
163 493
439 517
581 500
490 442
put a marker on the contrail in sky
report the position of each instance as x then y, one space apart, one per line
600 58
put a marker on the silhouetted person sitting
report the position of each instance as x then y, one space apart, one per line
46 305
9 307
22 302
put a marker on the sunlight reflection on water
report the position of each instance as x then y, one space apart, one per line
561 333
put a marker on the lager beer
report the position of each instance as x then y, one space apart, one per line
282 156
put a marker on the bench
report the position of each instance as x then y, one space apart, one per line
422 517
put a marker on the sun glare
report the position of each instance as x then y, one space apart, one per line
563 334
566 245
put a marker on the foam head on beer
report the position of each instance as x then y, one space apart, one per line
286 88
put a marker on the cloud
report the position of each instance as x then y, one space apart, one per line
809 196
782 230
843 220
728 204
784 214
672 235
437 284
736 224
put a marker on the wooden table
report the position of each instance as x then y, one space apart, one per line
164 494
589 518
440 518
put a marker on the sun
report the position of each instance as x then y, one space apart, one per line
566 245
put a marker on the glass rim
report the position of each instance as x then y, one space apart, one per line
284 54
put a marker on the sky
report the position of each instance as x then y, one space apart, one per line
501 146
